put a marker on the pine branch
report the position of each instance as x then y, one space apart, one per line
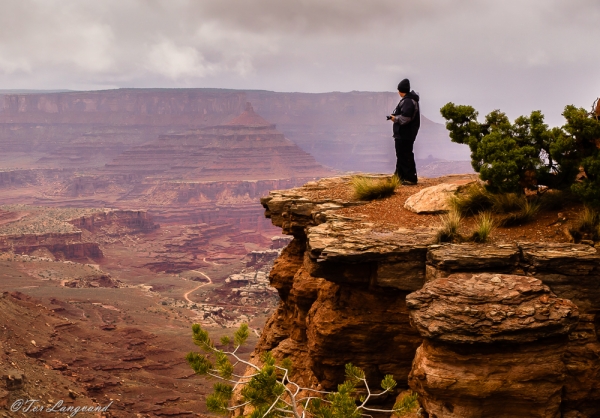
270 390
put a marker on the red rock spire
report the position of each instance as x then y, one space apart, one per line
249 118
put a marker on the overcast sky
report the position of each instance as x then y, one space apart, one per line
516 55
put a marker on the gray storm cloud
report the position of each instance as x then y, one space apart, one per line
514 55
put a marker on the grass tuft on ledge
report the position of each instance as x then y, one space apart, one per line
369 188
517 209
587 225
526 213
450 224
472 200
484 227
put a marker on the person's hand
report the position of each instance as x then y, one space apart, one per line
393 118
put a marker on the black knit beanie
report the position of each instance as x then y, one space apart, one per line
404 86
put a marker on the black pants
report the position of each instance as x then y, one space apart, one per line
405 158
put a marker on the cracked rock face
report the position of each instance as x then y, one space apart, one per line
489 308
492 381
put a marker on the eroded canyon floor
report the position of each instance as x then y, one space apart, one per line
97 304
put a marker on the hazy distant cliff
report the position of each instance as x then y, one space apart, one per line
124 107
348 131
345 131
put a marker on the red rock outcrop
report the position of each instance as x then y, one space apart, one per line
95 280
133 220
337 280
571 271
487 308
70 246
480 331
344 289
496 381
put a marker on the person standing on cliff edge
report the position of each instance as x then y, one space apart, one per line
407 120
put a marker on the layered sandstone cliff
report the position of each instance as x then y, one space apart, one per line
246 148
494 346
496 330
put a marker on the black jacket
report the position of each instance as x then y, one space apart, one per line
408 117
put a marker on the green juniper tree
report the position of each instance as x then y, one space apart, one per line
577 149
269 390
526 154
509 156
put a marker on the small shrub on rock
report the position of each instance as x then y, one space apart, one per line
587 226
449 229
508 156
588 220
370 188
477 200
507 202
472 200
484 228
407 404
555 199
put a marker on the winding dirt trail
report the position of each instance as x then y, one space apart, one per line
185 295
211 262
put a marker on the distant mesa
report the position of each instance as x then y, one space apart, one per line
248 147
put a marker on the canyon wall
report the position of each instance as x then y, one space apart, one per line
247 147
124 107
476 330
345 131
65 246
133 220
209 176
88 129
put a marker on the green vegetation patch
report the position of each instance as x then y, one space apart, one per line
511 157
